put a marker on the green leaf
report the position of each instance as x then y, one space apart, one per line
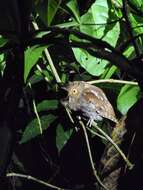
98 15
47 10
3 41
129 52
2 57
31 57
62 137
137 21
94 23
47 105
138 4
53 6
32 130
109 72
117 4
35 79
127 97
91 64
2 63
74 8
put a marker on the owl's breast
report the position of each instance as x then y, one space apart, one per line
90 110
74 104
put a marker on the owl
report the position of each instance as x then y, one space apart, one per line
90 100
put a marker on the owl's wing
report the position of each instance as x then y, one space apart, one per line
100 103
95 90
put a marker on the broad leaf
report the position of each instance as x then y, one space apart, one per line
138 4
31 57
32 130
47 105
3 41
47 10
127 97
94 23
109 72
53 6
74 8
91 64
62 137
97 19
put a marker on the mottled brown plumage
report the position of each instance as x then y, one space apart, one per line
90 99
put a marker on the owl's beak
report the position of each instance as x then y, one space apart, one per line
64 88
65 99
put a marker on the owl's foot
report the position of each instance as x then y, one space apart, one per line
89 123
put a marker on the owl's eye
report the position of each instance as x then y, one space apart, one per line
74 91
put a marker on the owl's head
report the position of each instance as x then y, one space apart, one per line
75 88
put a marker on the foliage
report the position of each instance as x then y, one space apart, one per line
69 41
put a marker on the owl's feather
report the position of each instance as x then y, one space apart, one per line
91 100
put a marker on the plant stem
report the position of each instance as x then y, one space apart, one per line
129 164
40 70
95 133
112 81
36 112
70 117
52 66
90 156
34 179
37 115
55 73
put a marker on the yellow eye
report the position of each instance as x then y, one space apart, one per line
74 91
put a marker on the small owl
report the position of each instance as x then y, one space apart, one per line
89 99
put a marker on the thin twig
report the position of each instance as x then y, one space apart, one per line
70 117
55 73
37 115
112 81
95 133
90 156
41 71
36 112
34 179
52 66
129 149
129 164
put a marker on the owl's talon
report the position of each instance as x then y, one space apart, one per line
89 123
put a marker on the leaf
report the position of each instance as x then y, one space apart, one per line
35 79
47 105
109 72
32 130
47 10
31 57
98 15
53 6
91 64
127 97
62 137
129 52
137 21
74 8
3 41
138 4
94 23
117 4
